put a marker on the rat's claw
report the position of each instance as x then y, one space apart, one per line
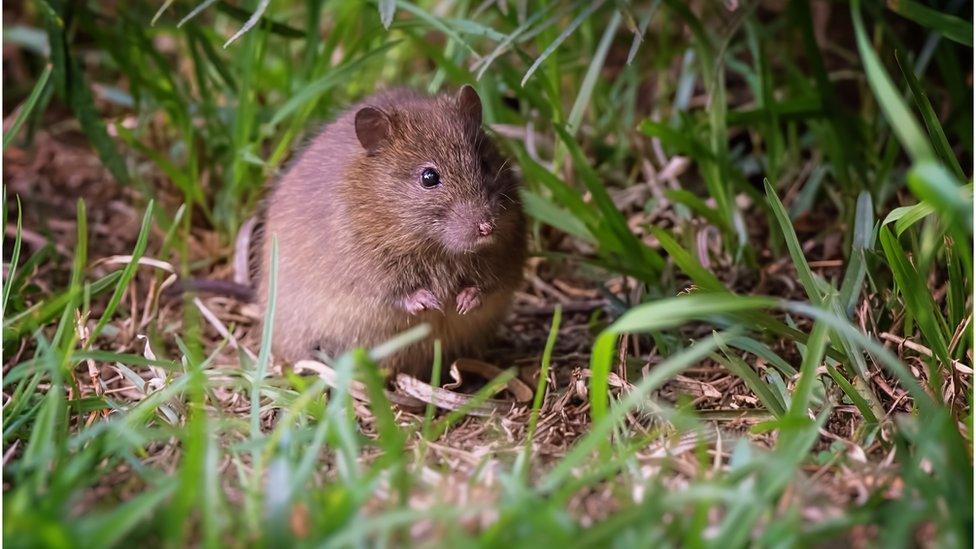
421 300
468 300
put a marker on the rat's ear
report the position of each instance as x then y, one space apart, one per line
469 104
372 128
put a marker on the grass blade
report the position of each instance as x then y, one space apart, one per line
387 11
550 214
932 124
935 185
592 73
127 273
816 346
603 426
645 20
14 259
315 89
672 312
566 32
28 107
906 216
688 263
264 356
658 315
108 529
862 242
251 21
435 22
952 27
917 298
902 122
810 284
543 375
743 371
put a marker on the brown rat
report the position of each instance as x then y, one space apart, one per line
399 212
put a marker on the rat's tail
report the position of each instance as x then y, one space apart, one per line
227 288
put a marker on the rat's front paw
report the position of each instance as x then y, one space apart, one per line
421 300
468 300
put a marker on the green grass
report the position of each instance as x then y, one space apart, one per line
794 148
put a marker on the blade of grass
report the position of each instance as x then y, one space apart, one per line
540 389
807 279
701 276
127 273
342 426
918 300
642 25
28 107
862 242
485 62
906 216
435 382
550 214
264 357
592 74
41 444
905 126
658 315
743 371
390 437
78 95
14 259
310 456
195 11
566 32
315 89
251 21
815 348
762 351
883 355
672 312
387 10
932 124
638 252
952 27
241 15
77 281
436 23
932 183
408 337
599 433
480 397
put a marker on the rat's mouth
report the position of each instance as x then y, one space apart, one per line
461 235
482 241
469 245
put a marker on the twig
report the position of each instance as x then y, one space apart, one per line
923 350
221 329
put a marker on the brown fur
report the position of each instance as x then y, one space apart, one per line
358 234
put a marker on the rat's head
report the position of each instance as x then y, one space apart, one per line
434 174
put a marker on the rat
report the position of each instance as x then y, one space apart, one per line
401 211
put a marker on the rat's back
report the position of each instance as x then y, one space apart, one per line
303 216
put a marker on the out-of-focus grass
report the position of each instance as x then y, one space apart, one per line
219 119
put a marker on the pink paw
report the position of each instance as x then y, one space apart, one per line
421 300
468 300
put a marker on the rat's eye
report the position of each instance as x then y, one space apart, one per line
429 178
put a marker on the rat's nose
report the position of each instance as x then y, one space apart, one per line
485 228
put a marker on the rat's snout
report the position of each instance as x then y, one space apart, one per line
469 226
